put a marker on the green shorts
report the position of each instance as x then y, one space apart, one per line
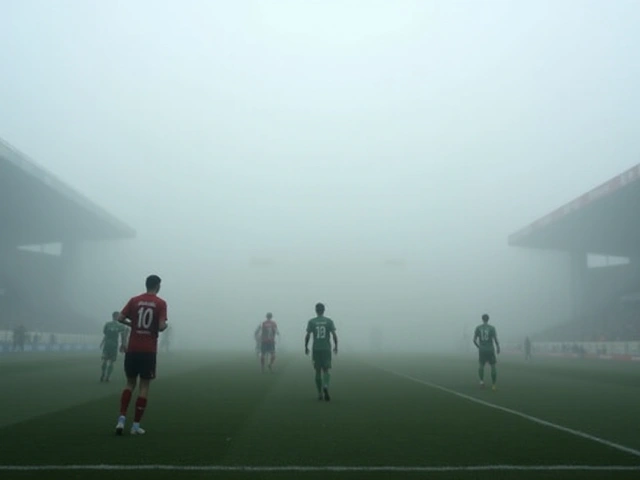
322 359
110 352
487 356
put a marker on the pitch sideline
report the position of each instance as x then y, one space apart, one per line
531 418
337 468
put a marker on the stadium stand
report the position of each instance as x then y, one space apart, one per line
600 231
43 222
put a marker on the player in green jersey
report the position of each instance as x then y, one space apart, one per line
322 329
484 338
112 331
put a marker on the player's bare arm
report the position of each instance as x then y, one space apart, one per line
306 343
495 339
335 342
163 325
124 320
476 336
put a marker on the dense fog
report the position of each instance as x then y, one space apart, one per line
371 155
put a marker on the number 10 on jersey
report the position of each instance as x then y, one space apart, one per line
145 318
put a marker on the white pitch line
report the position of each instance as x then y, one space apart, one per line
302 468
531 418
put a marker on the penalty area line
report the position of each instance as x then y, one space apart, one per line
337 468
531 418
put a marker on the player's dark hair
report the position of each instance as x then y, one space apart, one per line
115 314
152 282
269 315
319 308
485 318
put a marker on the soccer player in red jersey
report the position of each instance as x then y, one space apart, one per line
268 332
146 315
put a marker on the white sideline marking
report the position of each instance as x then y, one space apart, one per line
302 468
540 421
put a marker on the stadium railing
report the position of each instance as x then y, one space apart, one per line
608 350
50 342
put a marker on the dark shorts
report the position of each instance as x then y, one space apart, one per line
110 353
268 347
322 359
487 356
140 364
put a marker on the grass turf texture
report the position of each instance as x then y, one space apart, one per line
220 410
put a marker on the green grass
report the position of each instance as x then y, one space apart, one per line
210 409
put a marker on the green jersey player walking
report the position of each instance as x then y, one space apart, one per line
112 331
322 329
484 338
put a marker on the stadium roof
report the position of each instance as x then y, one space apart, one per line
37 208
604 221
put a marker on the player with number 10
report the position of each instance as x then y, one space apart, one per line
146 315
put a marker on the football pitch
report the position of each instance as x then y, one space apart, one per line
419 416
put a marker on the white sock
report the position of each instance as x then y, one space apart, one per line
136 425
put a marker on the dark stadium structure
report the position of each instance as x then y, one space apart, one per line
43 221
599 225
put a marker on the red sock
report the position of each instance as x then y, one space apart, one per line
124 401
141 404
